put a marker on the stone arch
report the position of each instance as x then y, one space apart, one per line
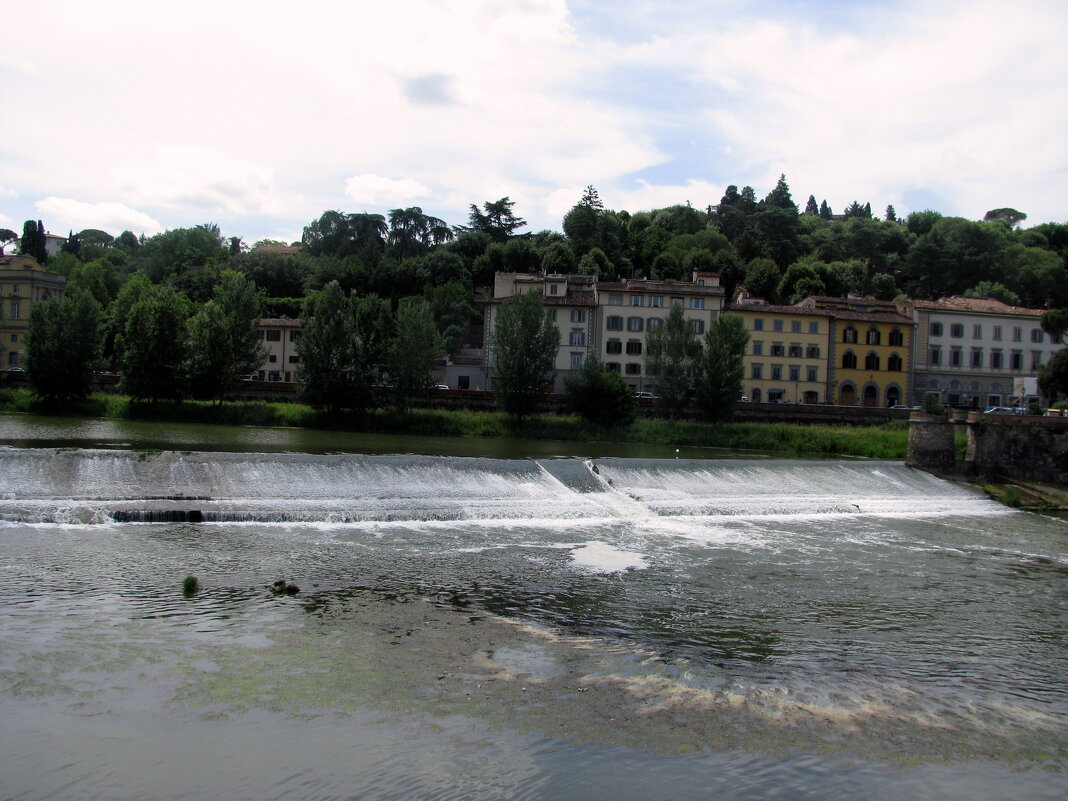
847 394
870 396
893 395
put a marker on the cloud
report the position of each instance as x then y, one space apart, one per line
66 214
381 191
431 90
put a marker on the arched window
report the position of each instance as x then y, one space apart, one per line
871 396
871 361
874 337
893 396
897 339
934 383
893 364
755 394
849 360
850 335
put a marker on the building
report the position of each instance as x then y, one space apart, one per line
786 359
23 283
869 354
279 338
609 320
977 351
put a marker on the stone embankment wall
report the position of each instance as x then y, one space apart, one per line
999 446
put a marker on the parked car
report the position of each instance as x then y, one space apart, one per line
441 386
644 394
1002 410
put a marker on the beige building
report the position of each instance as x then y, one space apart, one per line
279 339
608 320
23 283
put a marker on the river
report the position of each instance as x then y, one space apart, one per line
506 622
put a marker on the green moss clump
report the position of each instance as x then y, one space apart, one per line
190 586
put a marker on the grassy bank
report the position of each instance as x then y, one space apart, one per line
888 441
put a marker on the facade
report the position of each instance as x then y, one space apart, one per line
978 351
869 358
608 320
786 359
23 283
279 338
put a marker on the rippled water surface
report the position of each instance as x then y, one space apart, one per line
478 628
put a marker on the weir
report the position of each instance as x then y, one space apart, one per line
87 486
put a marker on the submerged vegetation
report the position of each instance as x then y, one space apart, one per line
888 441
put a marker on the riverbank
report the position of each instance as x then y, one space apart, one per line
888 441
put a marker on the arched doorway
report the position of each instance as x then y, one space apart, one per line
893 396
847 395
871 395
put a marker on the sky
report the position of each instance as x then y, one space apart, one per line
259 116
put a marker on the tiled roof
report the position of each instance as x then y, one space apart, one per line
962 304
287 250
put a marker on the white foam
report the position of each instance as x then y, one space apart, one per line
600 557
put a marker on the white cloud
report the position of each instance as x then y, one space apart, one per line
66 214
379 190
643 195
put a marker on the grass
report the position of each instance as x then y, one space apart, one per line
888 441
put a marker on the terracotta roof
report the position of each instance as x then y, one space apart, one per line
763 307
962 304
287 250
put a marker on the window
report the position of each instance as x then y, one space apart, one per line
613 323
615 299
635 323
633 368
977 358
613 346
896 339
956 330
576 338
1016 360
997 359
14 310
552 314
1017 334
612 367
756 371
997 333
576 361
936 329
777 325
14 337
677 302
849 360
578 315
755 394
637 300
893 364
553 289
795 326
812 352
272 358
936 356
1036 333
758 348
871 362
294 336
697 303
776 372
698 326
294 359
1036 360
849 335
274 335
795 373
813 327
874 337
653 323
634 347
977 331
656 301
758 324
795 351
13 358
813 374
777 349
955 358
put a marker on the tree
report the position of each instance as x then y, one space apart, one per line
1053 376
33 242
719 367
825 211
1055 323
891 214
224 338
325 349
153 347
1008 217
599 396
995 290
413 350
671 351
498 220
524 340
411 232
811 209
762 279
557 258
64 339
591 199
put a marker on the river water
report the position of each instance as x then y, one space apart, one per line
480 627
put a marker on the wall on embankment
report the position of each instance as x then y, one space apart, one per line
999 446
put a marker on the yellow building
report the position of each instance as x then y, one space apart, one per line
870 351
23 283
786 360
